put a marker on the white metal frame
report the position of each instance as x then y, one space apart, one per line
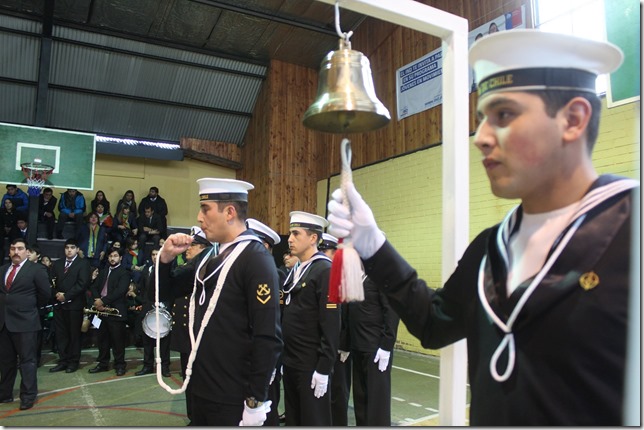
452 29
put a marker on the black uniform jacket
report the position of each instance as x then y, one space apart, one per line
29 291
74 284
373 323
311 324
117 286
243 338
570 341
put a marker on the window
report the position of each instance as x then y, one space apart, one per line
584 18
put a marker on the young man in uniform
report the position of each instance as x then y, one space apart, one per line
235 307
541 298
72 277
311 327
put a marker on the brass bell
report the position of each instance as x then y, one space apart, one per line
346 101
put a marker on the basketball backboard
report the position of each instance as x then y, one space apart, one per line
72 155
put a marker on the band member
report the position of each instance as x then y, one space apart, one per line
147 291
311 327
109 290
235 305
72 278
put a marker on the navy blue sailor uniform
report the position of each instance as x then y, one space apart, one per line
242 339
569 338
311 327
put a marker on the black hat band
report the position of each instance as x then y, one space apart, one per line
224 197
307 226
545 78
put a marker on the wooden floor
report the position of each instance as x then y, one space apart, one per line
103 399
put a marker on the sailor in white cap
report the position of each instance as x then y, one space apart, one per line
341 381
542 297
311 326
234 309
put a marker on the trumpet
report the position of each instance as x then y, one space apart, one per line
107 312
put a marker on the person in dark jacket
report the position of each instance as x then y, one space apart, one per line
373 327
311 327
46 206
108 292
159 206
229 384
19 198
543 297
71 207
24 288
71 278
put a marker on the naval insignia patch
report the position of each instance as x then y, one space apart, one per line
263 293
589 280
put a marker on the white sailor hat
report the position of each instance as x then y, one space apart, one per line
223 190
266 233
328 242
534 60
199 236
308 221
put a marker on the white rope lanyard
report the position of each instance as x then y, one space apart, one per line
224 267
591 200
301 270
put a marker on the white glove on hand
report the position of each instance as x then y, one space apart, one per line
255 417
359 223
382 358
343 356
319 384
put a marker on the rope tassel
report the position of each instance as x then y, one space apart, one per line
345 281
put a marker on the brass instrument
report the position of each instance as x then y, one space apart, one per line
108 312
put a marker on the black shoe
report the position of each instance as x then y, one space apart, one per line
144 371
58 368
97 369
165 371
120 372
283 418
7 400
27 404
71 369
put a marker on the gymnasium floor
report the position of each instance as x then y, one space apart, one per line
103 399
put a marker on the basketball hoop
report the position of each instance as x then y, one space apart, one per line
36 174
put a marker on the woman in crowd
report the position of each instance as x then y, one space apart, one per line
100 198
124 225
127 200
91 240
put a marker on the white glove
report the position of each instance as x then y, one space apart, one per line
359 223
343 356
319 384
382 358
272 377
255 417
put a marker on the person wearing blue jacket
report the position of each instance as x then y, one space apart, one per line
19 198
72 208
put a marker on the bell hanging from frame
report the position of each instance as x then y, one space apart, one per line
346 101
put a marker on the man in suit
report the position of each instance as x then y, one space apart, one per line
24 287
72 277
158 205
108 291
150 227
46 205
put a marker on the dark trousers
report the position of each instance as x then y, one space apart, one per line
148 351
112 334
340 389
18 347
50 222
63 218
371 390
68 335
208 413
273 417
302 407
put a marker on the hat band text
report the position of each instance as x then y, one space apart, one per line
545 78
224 197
